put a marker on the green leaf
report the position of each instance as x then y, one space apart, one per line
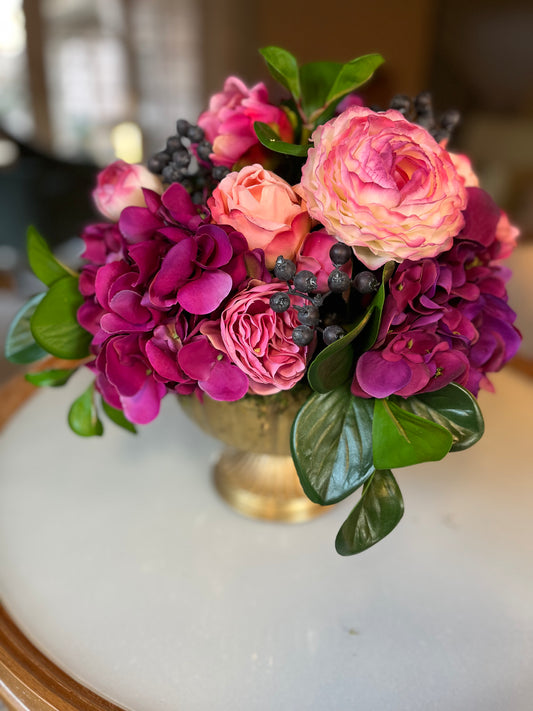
316 79
52 378
376 308
54 324
401 438
118 417
284 68
377 513
43 263
334 364
454 408
20 346
352 75
331 444
269 138
83 418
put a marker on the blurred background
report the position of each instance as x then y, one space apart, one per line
85 81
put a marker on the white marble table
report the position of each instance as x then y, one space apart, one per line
120 563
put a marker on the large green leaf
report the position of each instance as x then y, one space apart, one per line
118 417
316 79
452 407
352 75
51 378
54 324
331 444
402 438
269 138
377 512
333 365
43 263
284 68
20 346
83 418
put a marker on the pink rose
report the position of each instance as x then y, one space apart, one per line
121 185
384 186
229 122
313 256
264 208
259 341
464 169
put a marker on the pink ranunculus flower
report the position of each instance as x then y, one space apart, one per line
229 122
384 186
259 341
313 256
121 185
506 234
264 208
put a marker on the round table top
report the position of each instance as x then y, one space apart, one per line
121 564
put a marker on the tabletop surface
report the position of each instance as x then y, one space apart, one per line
121 564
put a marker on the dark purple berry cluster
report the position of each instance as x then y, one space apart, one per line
420 110
304 285
186 160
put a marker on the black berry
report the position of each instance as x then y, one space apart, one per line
195 134
284 269
171 173
204 150
174 144
401 103
182 126
332 334
220 172
158 162
305 281
365 283
303 335
280 302
340 253
338 281
308 315
181 158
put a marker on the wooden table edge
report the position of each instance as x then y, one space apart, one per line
29 680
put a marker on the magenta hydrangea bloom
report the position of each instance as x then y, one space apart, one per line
445 319
125 379
149 284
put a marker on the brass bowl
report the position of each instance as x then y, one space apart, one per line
255 474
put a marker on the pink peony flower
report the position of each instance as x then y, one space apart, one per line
229 122
264 208
384 186
121 185
259 341
313 256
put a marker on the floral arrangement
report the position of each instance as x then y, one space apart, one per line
316 243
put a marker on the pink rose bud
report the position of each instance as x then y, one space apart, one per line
229 122
383 186
121 185
264 208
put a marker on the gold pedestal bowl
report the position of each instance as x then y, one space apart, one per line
255 473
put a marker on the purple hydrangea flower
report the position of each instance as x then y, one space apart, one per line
445 319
